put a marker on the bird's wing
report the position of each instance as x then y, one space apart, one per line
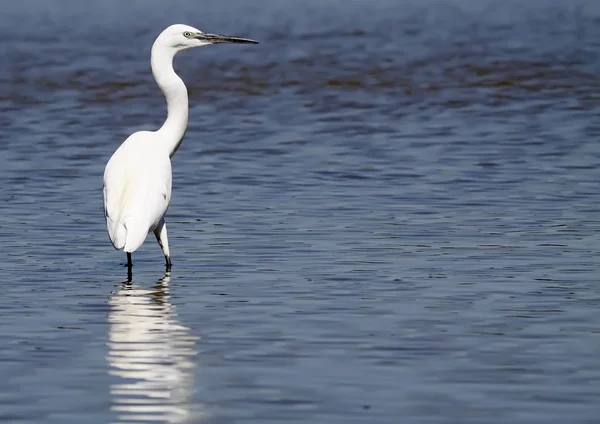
137 192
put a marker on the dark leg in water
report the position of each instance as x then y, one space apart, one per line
129 266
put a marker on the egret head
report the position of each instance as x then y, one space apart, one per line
182 37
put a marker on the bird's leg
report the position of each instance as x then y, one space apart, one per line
161 236
129 266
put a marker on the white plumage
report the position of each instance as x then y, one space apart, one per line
136 195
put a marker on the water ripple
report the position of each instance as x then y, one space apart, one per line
385 209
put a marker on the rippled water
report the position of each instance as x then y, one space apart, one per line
385 212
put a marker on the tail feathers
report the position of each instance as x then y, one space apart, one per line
117 233
127 235
135 234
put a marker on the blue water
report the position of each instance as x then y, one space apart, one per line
385 212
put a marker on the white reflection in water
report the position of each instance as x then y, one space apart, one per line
152 353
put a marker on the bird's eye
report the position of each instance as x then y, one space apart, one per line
187 34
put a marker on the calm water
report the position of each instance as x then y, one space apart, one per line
386 212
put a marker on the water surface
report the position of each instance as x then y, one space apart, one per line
386 211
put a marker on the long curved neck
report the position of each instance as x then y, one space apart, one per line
176 95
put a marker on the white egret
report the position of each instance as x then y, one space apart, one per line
137 178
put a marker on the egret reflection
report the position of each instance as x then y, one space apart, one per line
152 354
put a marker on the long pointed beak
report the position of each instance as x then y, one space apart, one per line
216 38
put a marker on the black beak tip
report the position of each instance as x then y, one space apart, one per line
244 41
